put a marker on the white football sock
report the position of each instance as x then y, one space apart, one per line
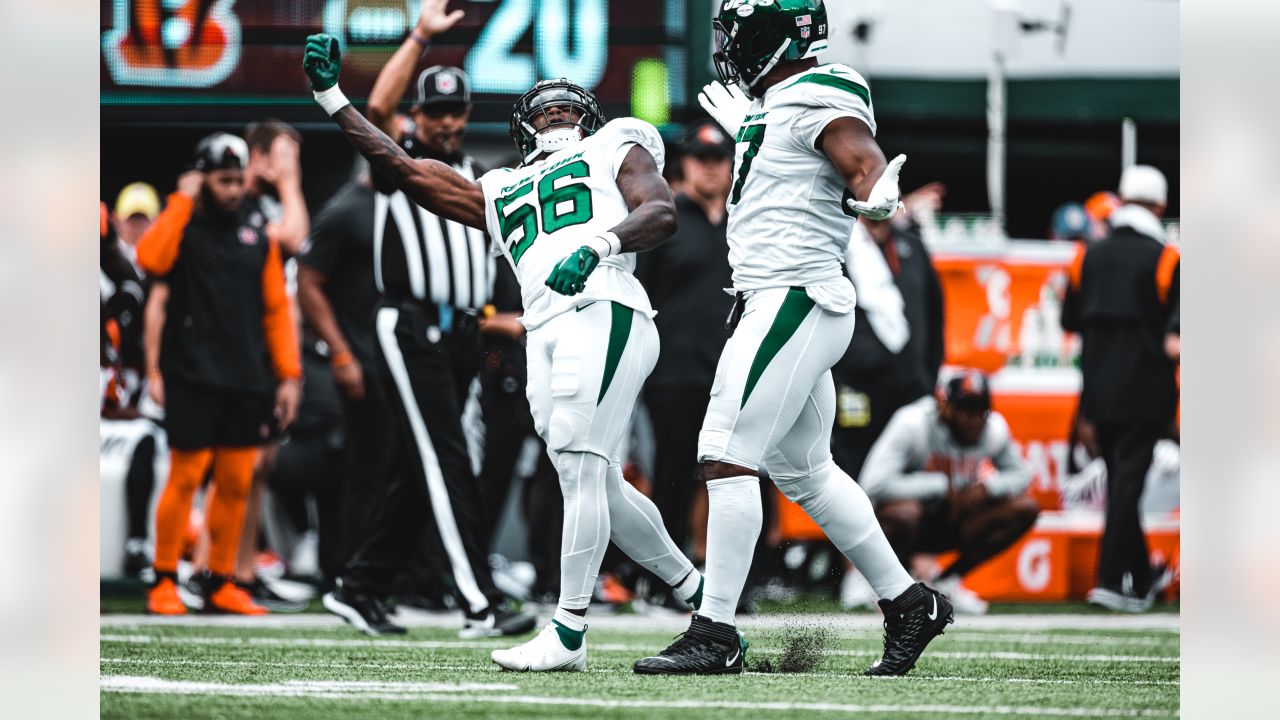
842 509
689 586
586 525
637 530
573 621
734 517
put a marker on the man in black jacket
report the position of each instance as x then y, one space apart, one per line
897 344
1123 298
685 279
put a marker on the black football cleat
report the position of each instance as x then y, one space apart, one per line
362 611
266 595
911 621
706 648
500 620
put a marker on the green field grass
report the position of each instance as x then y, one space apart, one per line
311 669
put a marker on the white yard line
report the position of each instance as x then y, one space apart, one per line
1166 622
601 647
420 692
442 667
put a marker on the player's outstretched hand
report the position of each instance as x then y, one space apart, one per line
727 104
570 276
884 200
322 61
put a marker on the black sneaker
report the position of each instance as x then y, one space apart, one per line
363 612
427 603
497 621
706 648
911 620
266 596
137 560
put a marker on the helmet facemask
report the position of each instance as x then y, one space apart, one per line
579 118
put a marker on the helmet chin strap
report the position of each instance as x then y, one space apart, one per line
549 141
769 66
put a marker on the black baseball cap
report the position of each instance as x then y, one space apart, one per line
967 390
706 138
441 84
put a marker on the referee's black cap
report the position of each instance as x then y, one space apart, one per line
443 85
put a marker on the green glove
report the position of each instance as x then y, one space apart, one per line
322 61
570 275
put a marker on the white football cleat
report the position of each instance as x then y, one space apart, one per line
544 653
963 600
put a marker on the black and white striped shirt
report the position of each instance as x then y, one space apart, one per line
419 256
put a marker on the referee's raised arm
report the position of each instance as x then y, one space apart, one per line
429 183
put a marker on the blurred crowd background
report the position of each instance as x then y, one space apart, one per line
1019 119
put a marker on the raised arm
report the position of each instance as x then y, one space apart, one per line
429 183
159 246
394 77
290 230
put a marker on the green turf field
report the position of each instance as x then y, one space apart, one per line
1057 665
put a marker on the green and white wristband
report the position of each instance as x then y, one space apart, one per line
332 100
605 245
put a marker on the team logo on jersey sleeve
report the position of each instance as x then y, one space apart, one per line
172 43
248 236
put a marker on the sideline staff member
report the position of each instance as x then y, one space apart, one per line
1123 298
227 313
944 475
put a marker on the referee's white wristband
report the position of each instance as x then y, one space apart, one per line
332 100
605 245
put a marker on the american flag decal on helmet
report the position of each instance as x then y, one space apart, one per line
804 20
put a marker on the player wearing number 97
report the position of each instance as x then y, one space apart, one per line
587 195
807 165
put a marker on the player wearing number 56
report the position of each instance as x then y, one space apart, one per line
588 195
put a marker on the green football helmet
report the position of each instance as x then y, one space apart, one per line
753 36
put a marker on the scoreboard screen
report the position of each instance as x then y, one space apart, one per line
194 61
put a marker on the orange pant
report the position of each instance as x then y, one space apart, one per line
232 476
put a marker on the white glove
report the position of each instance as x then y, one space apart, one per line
728 105
883 202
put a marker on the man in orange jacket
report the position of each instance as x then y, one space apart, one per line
229 363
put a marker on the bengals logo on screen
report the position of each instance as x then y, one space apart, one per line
172 43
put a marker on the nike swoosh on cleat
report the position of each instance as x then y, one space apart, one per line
736 653
934 615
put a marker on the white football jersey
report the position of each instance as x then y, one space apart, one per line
540 213
788 225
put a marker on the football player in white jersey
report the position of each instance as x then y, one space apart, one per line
588 194
807 165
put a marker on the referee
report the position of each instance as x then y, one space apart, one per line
433 276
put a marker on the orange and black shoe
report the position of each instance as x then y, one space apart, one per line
228 598
162 598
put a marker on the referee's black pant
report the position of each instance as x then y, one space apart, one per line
1126 449
427 373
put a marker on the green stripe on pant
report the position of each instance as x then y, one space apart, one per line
794 309
619 331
